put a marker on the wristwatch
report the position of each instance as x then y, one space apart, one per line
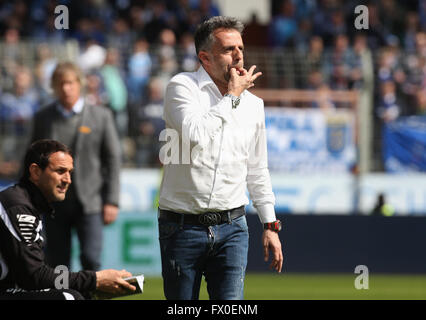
274 226
235 100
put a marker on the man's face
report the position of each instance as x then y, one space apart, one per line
226 53
67 89
55 179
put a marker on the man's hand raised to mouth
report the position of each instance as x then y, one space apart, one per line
241 79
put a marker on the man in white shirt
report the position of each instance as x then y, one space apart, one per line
220 127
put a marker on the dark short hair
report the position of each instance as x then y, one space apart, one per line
39 153
203 37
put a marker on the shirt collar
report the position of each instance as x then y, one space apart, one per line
76 108
37 198
204 78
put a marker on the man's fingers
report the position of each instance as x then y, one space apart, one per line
233 72
251 70
266 253
125 274
257 75
241 71
276 265
278 259
124 284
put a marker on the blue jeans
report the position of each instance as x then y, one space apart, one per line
190 251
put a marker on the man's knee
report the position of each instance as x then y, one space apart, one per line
70 294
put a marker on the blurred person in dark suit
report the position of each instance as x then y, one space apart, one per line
92 200
150 123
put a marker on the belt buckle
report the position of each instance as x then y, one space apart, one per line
210 218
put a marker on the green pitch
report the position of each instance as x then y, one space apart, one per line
292 286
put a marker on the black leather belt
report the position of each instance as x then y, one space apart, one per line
203 219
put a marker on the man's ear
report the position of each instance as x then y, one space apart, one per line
203 56
35 172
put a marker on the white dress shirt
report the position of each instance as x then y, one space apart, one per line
220 151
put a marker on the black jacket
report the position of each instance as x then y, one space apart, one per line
22 262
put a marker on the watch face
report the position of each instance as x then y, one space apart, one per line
278 225
275 226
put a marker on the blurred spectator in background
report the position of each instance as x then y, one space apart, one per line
390 107
341 64
11 55
17 108
137 18
140 65
412 26
311 62
414 65
159 19
166 64
421 102
22 102
376 33
12 49
92 57
189 60
315 80
283 27
392 16
115 89
207 9
43 70
333 25
95 94
122 38
150 124
49 33
87 29
389 66
166 50
382 208
301 41
422 13
323 99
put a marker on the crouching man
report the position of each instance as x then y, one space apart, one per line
23 272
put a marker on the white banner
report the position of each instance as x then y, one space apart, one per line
310 140
302 193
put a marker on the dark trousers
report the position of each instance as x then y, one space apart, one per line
69 215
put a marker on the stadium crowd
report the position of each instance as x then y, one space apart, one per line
129 49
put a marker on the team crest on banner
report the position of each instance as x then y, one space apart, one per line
336 137
310 140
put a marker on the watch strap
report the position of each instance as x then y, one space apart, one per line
274 226
235 100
